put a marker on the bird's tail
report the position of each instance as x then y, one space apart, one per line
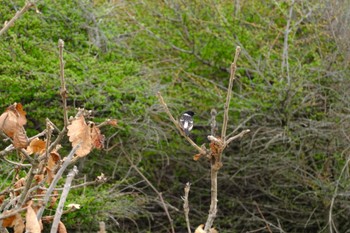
187 132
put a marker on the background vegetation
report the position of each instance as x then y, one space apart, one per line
290 173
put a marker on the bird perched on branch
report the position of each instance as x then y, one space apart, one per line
186 122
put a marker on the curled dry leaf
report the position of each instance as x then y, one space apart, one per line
11 123
61 228
79 133
2 198
89 136
36 146
53 159
97 138
32 223
201 230
52 162
15 222
197 157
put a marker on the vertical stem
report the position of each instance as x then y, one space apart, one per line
285 62
229 93
63 91
214 197
186 206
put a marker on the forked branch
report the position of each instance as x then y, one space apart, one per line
177 125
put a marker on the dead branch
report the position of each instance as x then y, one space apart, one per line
63 198
229 93
18 14
55 180
176 123
160 195
64 95
12 213
186 206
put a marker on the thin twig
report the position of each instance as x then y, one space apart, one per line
262 216
64 95
186 206
229 93
28 183
55 180
285 62
154 189
240 135
63 198
15 163
335 194
213 124
176 123
12 213
214 198
63 90
18 14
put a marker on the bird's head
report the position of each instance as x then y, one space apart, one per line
190 113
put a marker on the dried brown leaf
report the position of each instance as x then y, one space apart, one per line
2 198
18 226
20 139
11 123
200 229
15 222
38 178
97 138
79 132
197 157
8 222
36 146
112 122
32 223
54 158
50 175
20 113
8 123
61 228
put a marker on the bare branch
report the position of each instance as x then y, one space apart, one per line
55 180
240 135
176 123
12 213
186 206
285 58
63 198
229 92
154 189
213 123
214 198
63 91
18 14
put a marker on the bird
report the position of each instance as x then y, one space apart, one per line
186 122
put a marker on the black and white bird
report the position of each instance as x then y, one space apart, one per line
186 121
